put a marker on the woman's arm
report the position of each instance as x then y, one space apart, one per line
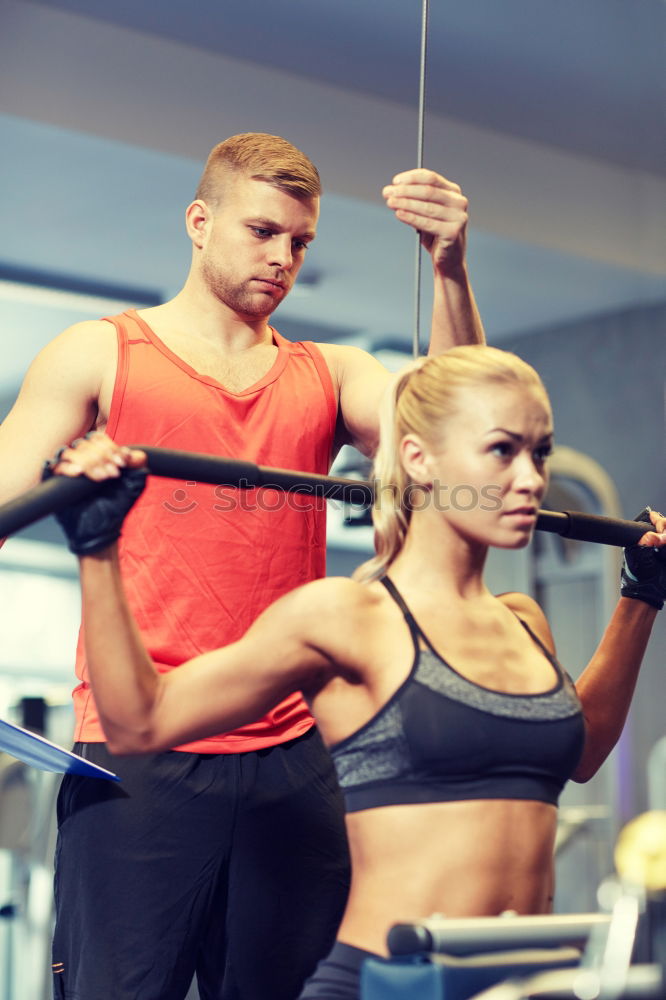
607 684
142 710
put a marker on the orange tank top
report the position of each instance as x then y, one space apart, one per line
200 562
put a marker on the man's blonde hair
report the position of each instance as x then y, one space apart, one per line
262 157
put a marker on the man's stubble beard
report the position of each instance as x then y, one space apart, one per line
238 297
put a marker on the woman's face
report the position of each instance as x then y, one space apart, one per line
489 475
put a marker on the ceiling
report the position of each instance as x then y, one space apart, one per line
587 75
551 116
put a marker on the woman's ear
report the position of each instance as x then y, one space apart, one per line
416 460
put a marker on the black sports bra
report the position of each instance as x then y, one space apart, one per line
443 738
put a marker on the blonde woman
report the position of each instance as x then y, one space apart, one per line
452 726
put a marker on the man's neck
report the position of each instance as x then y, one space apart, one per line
207 319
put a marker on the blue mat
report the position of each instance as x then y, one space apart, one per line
47 756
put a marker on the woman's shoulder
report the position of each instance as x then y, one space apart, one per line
326 613
527 609
335 617
337 596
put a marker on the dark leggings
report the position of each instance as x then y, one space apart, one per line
231 866
338 976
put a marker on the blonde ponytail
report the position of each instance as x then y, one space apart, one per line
390 516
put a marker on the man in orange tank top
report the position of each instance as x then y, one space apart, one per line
226 858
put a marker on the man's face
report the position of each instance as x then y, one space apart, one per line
255 244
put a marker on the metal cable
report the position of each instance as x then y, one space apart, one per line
419 163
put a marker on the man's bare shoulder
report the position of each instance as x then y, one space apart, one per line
345 356
88 336
64 394
84 355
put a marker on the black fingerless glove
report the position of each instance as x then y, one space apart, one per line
93 524
644 571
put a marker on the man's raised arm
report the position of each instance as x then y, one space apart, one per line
437 208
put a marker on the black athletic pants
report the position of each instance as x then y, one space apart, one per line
338 976
233 866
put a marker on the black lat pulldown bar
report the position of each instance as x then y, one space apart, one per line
58 492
